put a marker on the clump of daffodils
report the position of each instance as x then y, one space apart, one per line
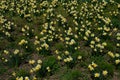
93 69
6 52
62 19
97 45
111 54
16 51
118 39
68 59
48 69
22 42
115 57
36 65
23 78
118 36
7 26
26 78
54 3
31 61
25 30
92 66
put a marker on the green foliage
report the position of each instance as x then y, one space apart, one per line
60 46
49 62
110 46
2 69
22 72
71 75
15 61
103 65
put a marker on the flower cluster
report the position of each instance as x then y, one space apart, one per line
21 78
25 78
116 57
118 38
93 68
37 65
22 42
7 27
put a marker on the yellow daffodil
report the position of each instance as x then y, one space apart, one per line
97 75
31 61
19 78
16 51
66 53
37 67
27 78
94 64
90 67
79 57
111 54
39 61
6 52
14 74
59 57
105 72
48 68
117 61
